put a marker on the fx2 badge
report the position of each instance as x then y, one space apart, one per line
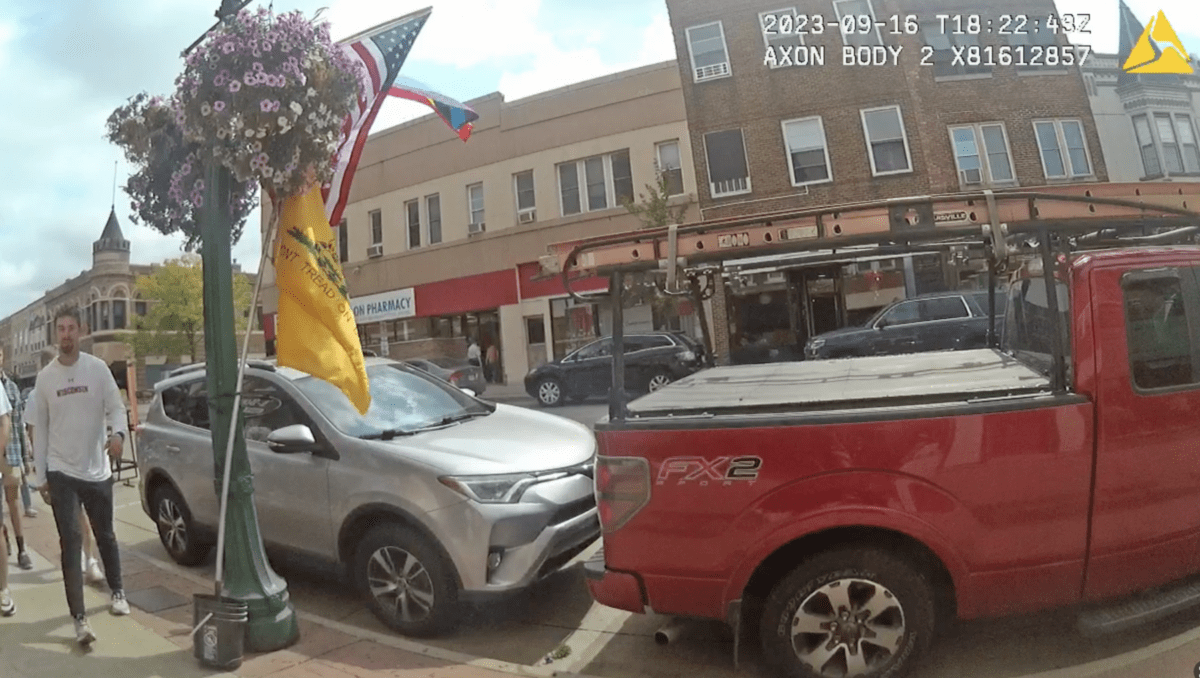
723 470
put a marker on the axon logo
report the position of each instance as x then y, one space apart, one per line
704 471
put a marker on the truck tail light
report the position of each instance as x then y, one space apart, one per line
622 489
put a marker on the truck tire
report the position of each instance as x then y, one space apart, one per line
853 612
407 583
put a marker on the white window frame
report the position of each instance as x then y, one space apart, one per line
372 216
874 17
474 226
1180 118
794 39
984 153
783 124
1062 148
517 192
708 166
1149 118
408 223
429 221
862 113
662 166
610 190
717 72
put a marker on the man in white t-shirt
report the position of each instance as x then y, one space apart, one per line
77 398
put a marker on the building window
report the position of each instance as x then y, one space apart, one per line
343 242
1150 165
412 215
433 210
975 143
1038 53
139 308
1063 150
670 164
944 44
1172 158
1160 345
728 169
887 143
475 204
118 314
602 176
807 151
523 185
706 45
859 16
779 31
1187 143
1089 81
376 227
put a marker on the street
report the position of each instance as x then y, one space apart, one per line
556 624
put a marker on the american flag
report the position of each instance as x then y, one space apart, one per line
382 52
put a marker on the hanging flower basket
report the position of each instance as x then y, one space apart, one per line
264 95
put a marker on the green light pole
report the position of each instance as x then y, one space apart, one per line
248 577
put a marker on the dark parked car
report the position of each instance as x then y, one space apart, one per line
652 360
933 322
460 373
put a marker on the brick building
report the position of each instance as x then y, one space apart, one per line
773 133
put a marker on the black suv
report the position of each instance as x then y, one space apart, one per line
932 322
652 360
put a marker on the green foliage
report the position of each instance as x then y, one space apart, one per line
654 208
174 322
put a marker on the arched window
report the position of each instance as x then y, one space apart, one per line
119 308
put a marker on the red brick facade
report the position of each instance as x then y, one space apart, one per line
757 98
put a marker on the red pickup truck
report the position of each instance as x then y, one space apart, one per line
849 508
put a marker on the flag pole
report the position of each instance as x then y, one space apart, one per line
268 238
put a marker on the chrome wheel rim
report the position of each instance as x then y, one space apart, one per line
171 526
847 628
658 381
549 392
400 584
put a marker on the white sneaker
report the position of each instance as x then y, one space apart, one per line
31 512
120 606
8 607
92 572
83 632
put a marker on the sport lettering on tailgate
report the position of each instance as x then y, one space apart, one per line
725 470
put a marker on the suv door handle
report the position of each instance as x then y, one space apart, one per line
172 448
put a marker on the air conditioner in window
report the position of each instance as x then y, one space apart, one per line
971 176
375 250
476 228
527 216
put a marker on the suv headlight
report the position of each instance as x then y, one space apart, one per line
687 356
816 343
495 489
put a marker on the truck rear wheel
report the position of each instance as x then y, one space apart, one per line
848 612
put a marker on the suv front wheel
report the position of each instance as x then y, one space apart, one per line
408 583
176 530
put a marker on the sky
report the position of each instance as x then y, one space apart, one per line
66 64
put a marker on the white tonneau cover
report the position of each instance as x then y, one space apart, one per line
954 374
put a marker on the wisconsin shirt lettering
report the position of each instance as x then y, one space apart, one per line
71 390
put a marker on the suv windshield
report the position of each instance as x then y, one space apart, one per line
403 400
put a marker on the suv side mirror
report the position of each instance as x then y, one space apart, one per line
468 391
292 439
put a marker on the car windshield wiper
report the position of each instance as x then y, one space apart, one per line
461 416
388 434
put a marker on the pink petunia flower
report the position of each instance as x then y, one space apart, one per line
235 86
218 106
265 106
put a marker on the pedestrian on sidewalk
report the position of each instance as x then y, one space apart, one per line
76 396
13 465
7 606
88 563
27 485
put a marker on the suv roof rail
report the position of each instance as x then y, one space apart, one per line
252 362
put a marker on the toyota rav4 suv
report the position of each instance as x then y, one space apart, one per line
431 497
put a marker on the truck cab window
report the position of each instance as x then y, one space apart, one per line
1160 346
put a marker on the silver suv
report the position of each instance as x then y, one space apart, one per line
432 497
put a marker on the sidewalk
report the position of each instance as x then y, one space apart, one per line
155 642
512 393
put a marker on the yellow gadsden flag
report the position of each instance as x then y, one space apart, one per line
316 332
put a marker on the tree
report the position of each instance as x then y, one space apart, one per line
654 208
174 322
